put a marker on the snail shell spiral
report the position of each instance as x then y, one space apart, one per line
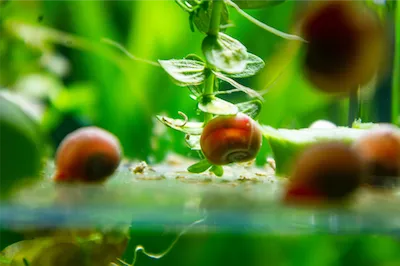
229 139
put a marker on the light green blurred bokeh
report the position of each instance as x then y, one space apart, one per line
123 95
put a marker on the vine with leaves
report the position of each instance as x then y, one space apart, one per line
225 59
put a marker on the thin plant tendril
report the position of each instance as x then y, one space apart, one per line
264 26
240 87
186 119
162 254
131 56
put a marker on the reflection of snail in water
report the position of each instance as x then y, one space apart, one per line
88 154
345 45
228 139
380 149
325 171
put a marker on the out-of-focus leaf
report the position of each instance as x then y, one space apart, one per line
60 254
287 144
254 64
185 72
216 106
194 128
26 249
251 108
225 53
21 140
199 167
202 16
39 86
80 98
254 4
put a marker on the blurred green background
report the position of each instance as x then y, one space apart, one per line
52 51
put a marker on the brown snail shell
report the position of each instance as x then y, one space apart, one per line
88 154
228 139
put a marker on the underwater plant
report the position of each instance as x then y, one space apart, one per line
228 132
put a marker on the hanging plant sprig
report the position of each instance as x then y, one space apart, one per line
228 133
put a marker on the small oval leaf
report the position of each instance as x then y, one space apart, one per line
193 128
217 170
225 53
199 167
254 64
185 72
216 106
202 16
254 4
251 108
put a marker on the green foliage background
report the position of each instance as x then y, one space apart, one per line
104 87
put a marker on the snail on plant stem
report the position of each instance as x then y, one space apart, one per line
228 139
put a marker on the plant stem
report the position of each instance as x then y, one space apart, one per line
215 17
213 30
208 90
396 69
353 107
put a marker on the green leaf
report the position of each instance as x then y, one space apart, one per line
193 128
254 64
217 170
225 53
199 167
202 16
193 141
185 72
21 140
251 108
216 106
368 125
254 4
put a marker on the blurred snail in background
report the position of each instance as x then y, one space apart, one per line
345 45
229 139
325 171
89 154
380 149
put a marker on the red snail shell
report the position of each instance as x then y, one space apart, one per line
329 171
228 139
345 45
88 154
380 149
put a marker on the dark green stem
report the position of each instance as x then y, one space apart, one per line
213 31
396 69
353 107
208 90
215 17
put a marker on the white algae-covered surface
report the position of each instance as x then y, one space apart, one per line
245 198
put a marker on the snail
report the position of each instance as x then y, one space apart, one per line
345 45
229 139
325 171
89 154
380 149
